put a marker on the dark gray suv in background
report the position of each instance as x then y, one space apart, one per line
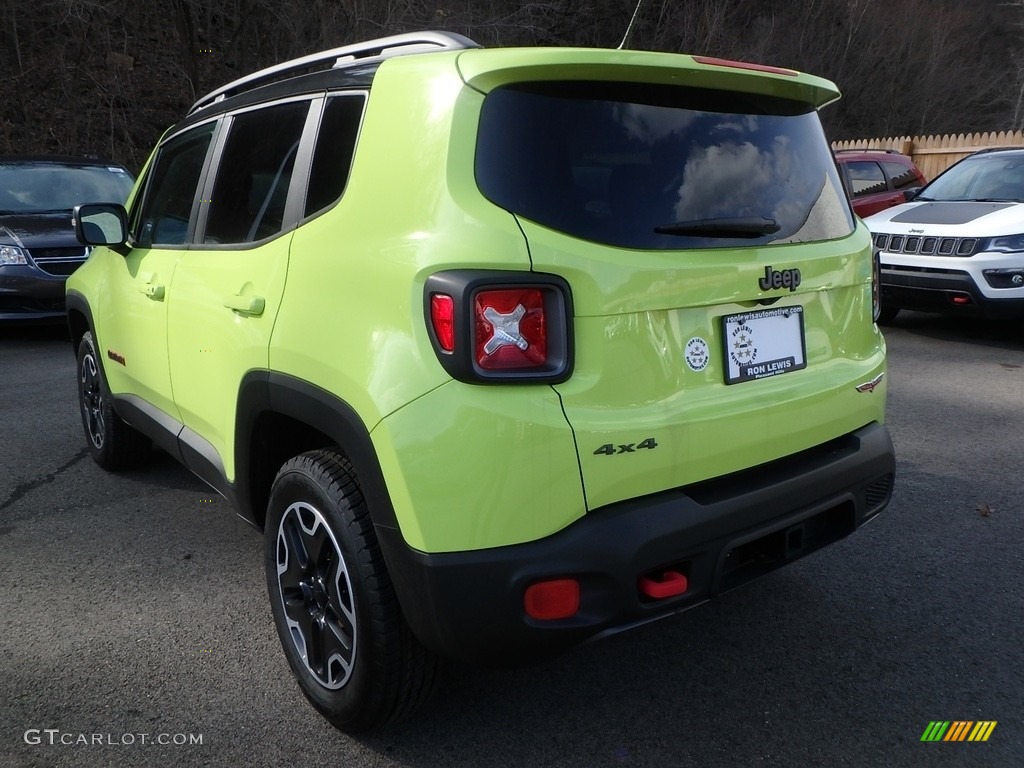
38 248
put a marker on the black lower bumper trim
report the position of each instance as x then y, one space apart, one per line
935 291
720 534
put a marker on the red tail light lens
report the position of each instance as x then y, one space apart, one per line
511 329
498 326
442 318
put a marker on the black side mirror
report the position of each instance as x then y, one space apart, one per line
910 194
101 224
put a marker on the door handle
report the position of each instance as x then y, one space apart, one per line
153 290
148 288
249 305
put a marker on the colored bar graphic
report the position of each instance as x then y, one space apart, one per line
935 731
982 730
958 730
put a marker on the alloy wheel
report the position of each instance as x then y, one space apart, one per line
92 400
316 593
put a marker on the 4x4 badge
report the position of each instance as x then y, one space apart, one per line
609 449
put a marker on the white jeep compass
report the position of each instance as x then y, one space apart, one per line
958 246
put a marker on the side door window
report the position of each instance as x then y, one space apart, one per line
249 197
166 214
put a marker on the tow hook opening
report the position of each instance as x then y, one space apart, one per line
664 583
749 558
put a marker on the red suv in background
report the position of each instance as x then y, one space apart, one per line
877 179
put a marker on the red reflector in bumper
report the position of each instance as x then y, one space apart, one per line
961 298
662 585
554 599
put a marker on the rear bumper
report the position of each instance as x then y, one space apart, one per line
720 534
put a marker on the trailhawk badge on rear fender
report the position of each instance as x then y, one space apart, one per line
869 386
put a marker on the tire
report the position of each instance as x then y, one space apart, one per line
112 443
887 314
333 602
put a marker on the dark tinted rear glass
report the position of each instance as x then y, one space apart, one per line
611 162
335 146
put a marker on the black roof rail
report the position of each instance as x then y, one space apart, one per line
870 149
349 55
985 150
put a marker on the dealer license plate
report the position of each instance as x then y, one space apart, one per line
764 343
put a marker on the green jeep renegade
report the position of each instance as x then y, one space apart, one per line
503 349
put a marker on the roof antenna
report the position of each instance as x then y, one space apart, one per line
629 29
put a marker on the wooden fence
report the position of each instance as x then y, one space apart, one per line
934 154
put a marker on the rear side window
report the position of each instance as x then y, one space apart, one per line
866 177
332 157
615 162
255 172
902 176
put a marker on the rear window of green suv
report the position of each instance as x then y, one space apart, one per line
614 162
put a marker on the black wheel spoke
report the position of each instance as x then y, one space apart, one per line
296 610
99 425
340 606
292 548
321 551
338 646
341 630
318 653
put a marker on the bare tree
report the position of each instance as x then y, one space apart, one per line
108 76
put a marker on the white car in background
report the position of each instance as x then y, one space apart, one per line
958 246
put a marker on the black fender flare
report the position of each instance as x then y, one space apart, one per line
279 393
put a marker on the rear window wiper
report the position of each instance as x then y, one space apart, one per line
746 227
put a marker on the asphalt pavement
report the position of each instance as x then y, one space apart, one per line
135 629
